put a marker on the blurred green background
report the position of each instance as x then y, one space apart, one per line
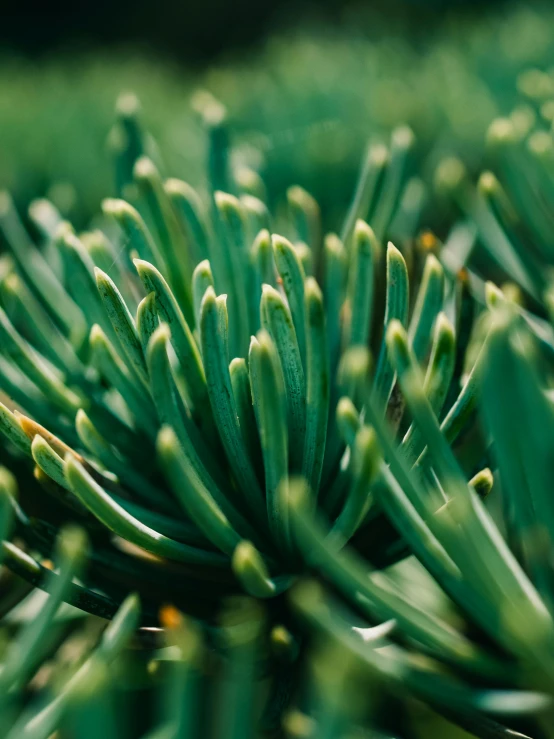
305 87
198 32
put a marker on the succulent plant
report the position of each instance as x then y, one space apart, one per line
235 398
173 422
230 401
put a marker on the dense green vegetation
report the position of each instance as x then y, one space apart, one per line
276 374
306 104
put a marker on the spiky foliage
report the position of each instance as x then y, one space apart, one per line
211 445
170 404
506 589
172 409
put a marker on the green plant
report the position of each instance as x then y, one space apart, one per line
98 379
198 394
117 385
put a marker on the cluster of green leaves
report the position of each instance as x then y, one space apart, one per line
230 400
225 379
222 426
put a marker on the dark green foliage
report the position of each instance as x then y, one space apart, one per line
291 438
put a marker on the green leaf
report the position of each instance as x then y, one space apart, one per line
50 462
138 237
127 473
39 274
367 187
365 466
428 303
256 216
277 320
112 261
513 400
235 255
334 286
242 627
242 394
497 570
26 650
268 395
202 460
123 524
188 207
123 324
292 274
437 378
113 369
375 596
191 369
147 320
213 330
360 286
35 368
402 141
263 273
114 639
396 309
250 569
202 279
171 240
317 386
82 283
25 310
11 429
306 218
194 497
215 121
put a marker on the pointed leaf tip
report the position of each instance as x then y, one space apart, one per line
127 105
363 232
226 201
250 569
162 334
144 168
396 332
166 441
280 243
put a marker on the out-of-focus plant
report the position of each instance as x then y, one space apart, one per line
301 108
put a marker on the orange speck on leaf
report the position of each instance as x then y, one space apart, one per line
170 617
